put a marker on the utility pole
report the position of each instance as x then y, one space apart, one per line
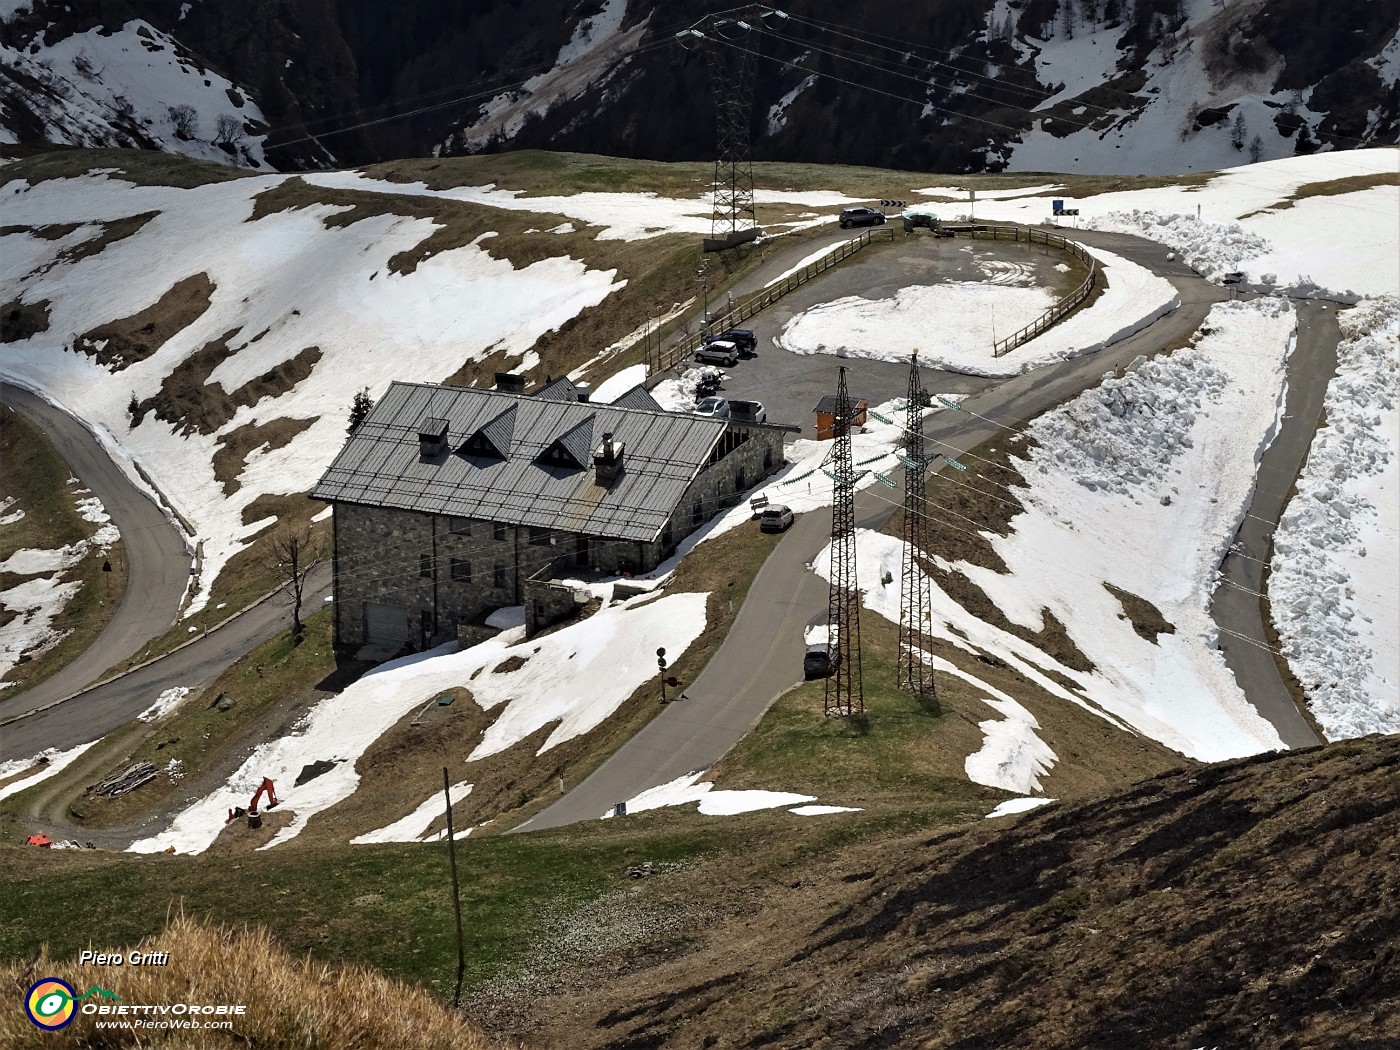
845 688
456 892
915 601
704 274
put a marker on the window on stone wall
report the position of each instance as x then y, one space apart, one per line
502 530
501 581
539 537
425 566
461 570
740 482
768 458
697 514
459 526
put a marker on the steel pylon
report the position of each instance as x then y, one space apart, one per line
915 598
845 688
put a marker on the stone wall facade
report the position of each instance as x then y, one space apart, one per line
436 574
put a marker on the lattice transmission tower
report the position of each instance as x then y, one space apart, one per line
915 597
845 689
731 54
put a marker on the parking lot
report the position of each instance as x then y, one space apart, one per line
790 385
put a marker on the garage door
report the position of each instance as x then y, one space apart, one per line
386 625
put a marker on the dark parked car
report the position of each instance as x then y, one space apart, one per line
861 217
745 339
820 660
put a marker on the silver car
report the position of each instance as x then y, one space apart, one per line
715 407
720 352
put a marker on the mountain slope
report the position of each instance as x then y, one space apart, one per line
1160 86
1246 904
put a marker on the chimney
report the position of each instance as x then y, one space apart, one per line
510 383
432 437
607 460
581 391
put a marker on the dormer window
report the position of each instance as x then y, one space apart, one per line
572 449
491 440
479 445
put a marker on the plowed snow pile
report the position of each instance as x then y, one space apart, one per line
1139 483
1335 566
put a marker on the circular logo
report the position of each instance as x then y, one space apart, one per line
49 1004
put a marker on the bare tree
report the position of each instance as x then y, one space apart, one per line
228 131
1256 149
292 554
185 121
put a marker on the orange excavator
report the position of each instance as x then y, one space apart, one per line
254 817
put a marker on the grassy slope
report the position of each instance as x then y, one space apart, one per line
35 476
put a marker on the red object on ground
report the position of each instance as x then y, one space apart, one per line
39 840
265 788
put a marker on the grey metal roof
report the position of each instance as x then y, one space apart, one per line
578 441
381 464
558 390
499 430
637 397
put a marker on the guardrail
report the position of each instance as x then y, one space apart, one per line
1055 313
670 357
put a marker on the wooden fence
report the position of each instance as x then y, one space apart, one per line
1051 240
741 311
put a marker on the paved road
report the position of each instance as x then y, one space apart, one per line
761 658
1310 367
106 707
158 564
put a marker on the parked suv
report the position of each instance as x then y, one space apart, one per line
719 352
775 518
820 660
743 338
861 217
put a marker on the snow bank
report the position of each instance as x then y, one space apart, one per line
617 384
1012 756
1336 565
572 679
164 704
413 827
684 790
968 317
1210 248
1018 805
57 761
1339 243
808 260
1147 508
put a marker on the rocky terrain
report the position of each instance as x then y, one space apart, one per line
1161 85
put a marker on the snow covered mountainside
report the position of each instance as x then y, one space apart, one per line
1097 86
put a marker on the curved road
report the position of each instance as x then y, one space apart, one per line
1238 612
158 563
761 658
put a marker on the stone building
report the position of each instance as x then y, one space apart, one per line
452 502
